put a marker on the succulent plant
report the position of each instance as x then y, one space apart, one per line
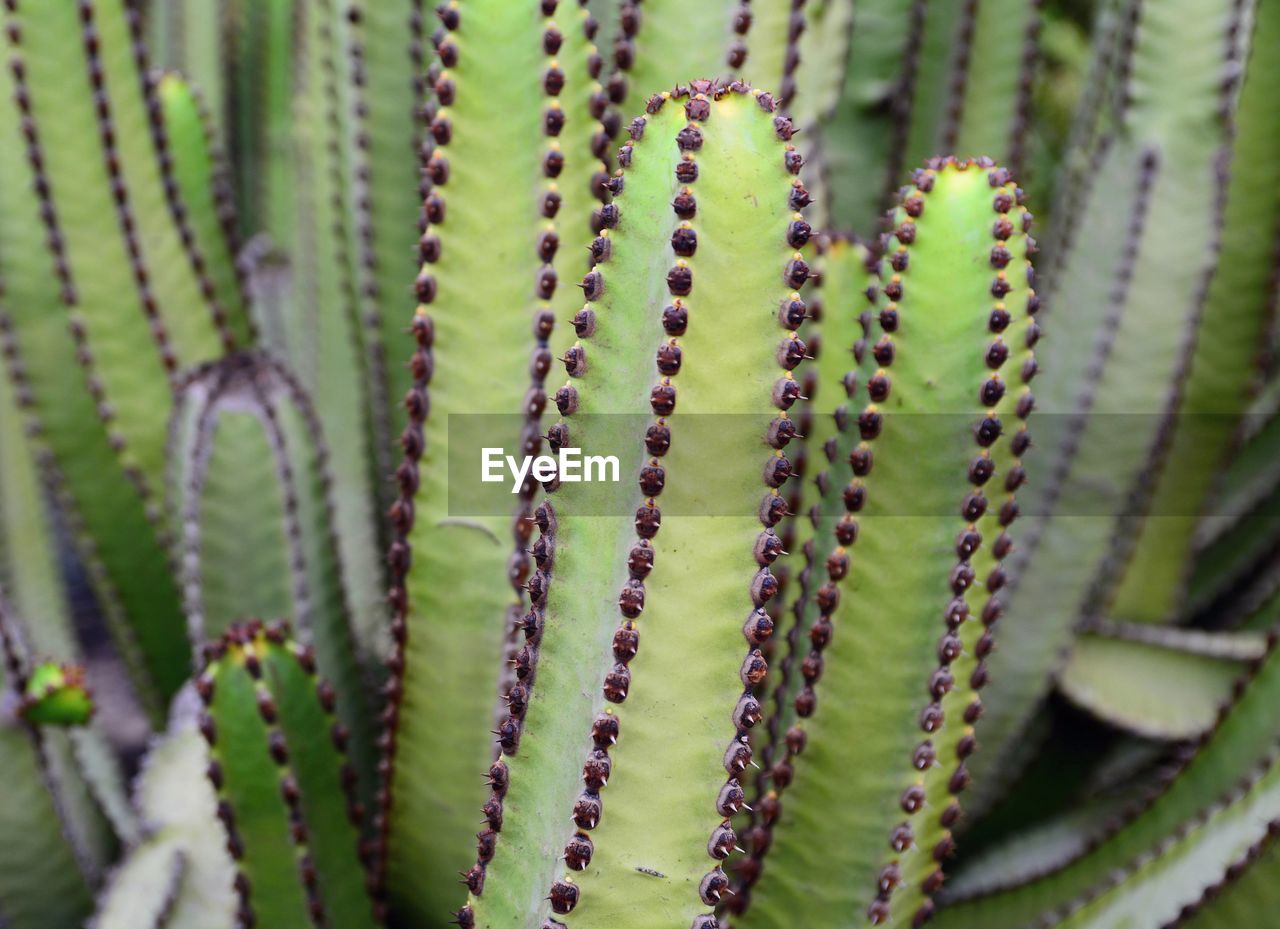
848 636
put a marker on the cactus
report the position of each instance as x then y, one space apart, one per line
603 701
1114 441
958 275
453 626
287 798
261 309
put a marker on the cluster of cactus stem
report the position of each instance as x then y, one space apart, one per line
843 645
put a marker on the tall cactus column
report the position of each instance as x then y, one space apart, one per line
918 499
511 169
609 722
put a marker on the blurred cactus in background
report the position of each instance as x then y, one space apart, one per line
899 610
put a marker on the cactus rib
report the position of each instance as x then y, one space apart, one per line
1169 144
492 58
866 608
287 798
230 321
81 427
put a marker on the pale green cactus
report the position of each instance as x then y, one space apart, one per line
228 287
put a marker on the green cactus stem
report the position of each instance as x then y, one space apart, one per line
208 208
263 54
847 269
1220 379
928 77
1114 393
512 170
702 241
1170 847
103 303
194 38
252 506
181 876
385 58
1156 682
323 325
1245 895
878 752
662 42
287 798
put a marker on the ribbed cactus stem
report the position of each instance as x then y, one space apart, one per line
253 506
511 173
287 798
706 215
925 459
661 42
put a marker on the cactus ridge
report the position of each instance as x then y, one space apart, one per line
387 84
118 577
1242 875
62 270
204 202
1077 911
349 175
961 649
298 758
1184 775
298 510
1233 316
557 153
125 215
1090 382
793 692
178 211
920 306
1126 535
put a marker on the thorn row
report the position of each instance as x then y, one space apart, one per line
68 293
147 82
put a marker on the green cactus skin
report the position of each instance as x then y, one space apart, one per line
823 49
1143 299
1225 787
687 239
971 87
287 797
252 503
949 77
194 38
847 269
262 39
865 842
1246 894
200 172
861 132
513 169
1168 684
75 319
662 42
386 81
1237 313
323 332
